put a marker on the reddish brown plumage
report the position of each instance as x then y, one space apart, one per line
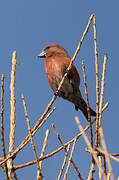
57 61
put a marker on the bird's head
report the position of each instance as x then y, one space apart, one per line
52 50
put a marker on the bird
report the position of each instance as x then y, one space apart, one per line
57 61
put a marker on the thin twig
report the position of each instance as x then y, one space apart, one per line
75 167
102 96
30 134
101 152
64 163
42 153
107 157
90 176
97 141
2 123
101 102
115 155
91 149
102 88
88 107
15 176
105 168
97 82
1 158
69 162
2 111
92 170
27 139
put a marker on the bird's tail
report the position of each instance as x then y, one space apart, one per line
78 101
83 107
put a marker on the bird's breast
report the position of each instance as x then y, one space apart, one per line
55 73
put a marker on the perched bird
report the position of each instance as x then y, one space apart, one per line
57 61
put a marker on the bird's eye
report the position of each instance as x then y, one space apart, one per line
47 48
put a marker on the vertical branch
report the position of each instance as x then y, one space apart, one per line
75 167
90 176
12 102
89 119
42 153
2 124
102 88
92 170
102 96
12 116
63 165
97 83
30 133
105 169
106 154
97 140
15 176
88 107
69 162
91 149
2 111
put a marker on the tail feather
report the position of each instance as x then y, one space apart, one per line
77 99
83 108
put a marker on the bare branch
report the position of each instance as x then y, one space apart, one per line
75 167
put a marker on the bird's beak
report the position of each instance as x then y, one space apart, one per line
41 55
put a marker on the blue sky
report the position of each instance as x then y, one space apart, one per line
27 26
